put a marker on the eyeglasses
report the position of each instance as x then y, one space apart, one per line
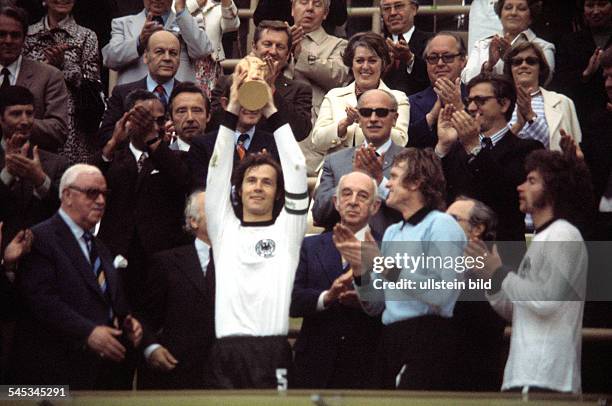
433 59
92 193
531 61
380 111
479 100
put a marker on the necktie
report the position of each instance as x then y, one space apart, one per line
140 162
486 143
94 260
240 145
160 92
6 82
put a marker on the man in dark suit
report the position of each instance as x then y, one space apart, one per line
180 310
374 157
445 55
408 73
248 138
482 158
76 328
162 57
29 176
272 43
149 184
335 348
44 81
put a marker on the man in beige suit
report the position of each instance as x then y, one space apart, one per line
317 60
43 80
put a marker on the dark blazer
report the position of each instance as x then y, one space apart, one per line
202 148
399 79
336 330
117 106
19 208
180 311
62 304
50 103
573 55
292 98
492 177
337 165
419 133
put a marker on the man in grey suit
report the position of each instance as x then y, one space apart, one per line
377 115
131 33
43 80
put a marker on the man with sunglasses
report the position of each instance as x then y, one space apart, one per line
482 158
29 176
76 328
408 73
445 55
377 115
149 181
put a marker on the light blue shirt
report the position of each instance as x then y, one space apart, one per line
77 231
247 143
436 234
203 251
152 84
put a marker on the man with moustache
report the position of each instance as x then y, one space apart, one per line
190 112
445 55
161 57
130 35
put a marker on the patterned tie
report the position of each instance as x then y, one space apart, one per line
6 78
240 145
140 162
486 143
94 260
160 92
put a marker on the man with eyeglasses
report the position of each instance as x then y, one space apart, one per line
482 158
149 181
76 328
408 72
29 176
377 115
445 58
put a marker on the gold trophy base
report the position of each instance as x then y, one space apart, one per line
253 95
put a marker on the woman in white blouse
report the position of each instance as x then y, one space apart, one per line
516 17
367 56
539 114
215 18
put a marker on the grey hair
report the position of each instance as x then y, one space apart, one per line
72 173
191 210
394 104
374 185
482 214
325 2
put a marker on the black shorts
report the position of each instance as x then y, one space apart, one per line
241 362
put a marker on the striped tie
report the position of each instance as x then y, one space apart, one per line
240 148
94 260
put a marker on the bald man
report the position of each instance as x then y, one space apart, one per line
337 339
162 58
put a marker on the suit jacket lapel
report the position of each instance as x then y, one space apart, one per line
329 258
192 267
552 113
110 273
73 250
390 155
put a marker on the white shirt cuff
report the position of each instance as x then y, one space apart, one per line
321 302
42 191
150 349
6 177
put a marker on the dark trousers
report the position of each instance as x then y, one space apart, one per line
242 362
416 354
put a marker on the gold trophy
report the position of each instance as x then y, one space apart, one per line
253 94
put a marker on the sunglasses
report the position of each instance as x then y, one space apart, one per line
531 61
478 100
433 59
91 193
380 112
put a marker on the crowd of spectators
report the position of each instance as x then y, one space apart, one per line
159 232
